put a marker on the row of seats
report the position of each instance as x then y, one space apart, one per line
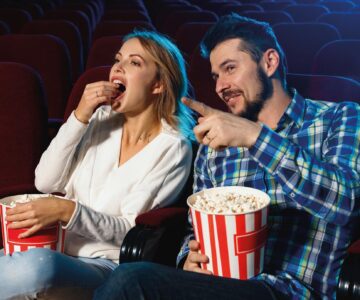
49 56
24 99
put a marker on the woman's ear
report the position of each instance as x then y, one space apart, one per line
271 61
158 87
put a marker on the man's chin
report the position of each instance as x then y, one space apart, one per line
235 111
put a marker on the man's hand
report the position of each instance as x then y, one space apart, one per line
220 129
194 259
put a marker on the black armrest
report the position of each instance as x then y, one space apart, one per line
349 279
157 237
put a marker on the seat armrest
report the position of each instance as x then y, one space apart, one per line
157 236
355 247
161 216
349 280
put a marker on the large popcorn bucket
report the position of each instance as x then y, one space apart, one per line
51 237
234 242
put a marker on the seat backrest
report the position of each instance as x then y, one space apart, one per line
306 12
338 5
48 55
202 82
23 124
125 15
84 7
107 28
301 41
340 58
158 14
68 32
189 36
89 76
272 17
102 52
278 5
174 20
347 24
325 87
239 8
4 28
15 18
79 18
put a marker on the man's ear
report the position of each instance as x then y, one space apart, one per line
271 61
158 87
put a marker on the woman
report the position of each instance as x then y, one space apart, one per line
129 156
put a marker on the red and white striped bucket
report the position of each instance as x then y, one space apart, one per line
234 243
51 237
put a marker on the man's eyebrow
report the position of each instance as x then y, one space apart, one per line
225 62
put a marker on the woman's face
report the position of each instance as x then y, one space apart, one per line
135 71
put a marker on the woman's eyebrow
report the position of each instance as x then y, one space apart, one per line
138 55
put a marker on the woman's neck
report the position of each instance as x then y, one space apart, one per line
141 129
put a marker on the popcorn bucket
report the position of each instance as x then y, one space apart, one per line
51 237
234 242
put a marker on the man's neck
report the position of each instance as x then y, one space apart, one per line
275 106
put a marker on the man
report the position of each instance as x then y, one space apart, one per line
304 154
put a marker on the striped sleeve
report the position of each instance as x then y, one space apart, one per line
327 187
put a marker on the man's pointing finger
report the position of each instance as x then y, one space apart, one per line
197 106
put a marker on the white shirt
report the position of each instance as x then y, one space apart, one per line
82 163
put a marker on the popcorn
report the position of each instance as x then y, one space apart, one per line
222 203
26 198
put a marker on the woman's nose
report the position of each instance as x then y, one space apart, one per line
118 67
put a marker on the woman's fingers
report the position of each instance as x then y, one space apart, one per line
30 232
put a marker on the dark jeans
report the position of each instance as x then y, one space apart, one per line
152 281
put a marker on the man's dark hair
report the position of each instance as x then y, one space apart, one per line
257 37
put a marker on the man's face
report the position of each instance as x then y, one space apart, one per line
240 82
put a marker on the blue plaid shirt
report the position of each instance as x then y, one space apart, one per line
310 167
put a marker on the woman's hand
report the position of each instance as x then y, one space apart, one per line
39 213
194 259
94 94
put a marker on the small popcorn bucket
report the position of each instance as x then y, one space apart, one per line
51 237
234 242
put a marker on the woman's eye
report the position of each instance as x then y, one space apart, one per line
116 61
135 63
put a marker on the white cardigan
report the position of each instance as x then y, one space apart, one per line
82 163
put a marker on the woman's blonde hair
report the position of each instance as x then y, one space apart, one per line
172 75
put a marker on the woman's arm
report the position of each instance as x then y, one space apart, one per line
161 187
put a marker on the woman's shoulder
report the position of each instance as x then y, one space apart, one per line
174 135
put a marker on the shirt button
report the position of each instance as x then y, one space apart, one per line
292 195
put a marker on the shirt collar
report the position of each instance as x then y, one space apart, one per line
295 111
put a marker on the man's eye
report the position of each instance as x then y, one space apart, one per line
215 77
230 68
116 61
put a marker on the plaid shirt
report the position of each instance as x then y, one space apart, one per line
309 166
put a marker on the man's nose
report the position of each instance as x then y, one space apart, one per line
221 85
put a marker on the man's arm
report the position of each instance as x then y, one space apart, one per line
326 187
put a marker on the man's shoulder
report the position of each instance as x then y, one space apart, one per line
330 107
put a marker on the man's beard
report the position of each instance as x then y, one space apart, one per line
253 107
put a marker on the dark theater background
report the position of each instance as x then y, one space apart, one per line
49 50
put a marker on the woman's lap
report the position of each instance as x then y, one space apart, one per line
38 270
